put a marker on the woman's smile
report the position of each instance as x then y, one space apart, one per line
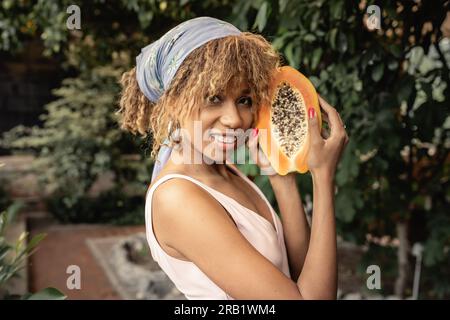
224 141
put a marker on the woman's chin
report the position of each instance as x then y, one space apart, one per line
218 159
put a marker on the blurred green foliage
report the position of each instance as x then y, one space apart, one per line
391 87
78 143
14 255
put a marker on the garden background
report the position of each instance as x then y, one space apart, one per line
59 91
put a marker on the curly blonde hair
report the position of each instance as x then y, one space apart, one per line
207 70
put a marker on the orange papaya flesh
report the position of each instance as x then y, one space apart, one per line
283 122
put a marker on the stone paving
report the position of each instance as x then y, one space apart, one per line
66 245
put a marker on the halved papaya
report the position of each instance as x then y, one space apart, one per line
283 123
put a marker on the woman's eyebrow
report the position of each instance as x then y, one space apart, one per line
246 91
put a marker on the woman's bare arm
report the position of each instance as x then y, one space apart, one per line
312 253
319 274
295 226
189 219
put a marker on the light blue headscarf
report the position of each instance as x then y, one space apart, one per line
158 62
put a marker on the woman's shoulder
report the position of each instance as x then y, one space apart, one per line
177 190
175 206
173 185
179 202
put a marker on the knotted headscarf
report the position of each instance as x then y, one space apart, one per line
158 62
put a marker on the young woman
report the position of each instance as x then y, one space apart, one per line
208 226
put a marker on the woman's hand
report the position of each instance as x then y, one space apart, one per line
258 156
325 151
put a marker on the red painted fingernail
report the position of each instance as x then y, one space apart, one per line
311 113
255 132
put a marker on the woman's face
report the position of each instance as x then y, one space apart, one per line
221 125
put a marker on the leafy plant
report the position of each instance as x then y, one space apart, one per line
12 257
79 142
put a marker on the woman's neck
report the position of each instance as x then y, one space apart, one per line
201 169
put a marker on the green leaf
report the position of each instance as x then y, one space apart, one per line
280 41
8 216
26 296
261 18
282 5
377 72
396 50
349 166
4 251
315 20
332 37
316 55
367 58
35 241
3 222
309 38
344 205
20 242
292 58
336 9
47 294
405 88
343 44
392 65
